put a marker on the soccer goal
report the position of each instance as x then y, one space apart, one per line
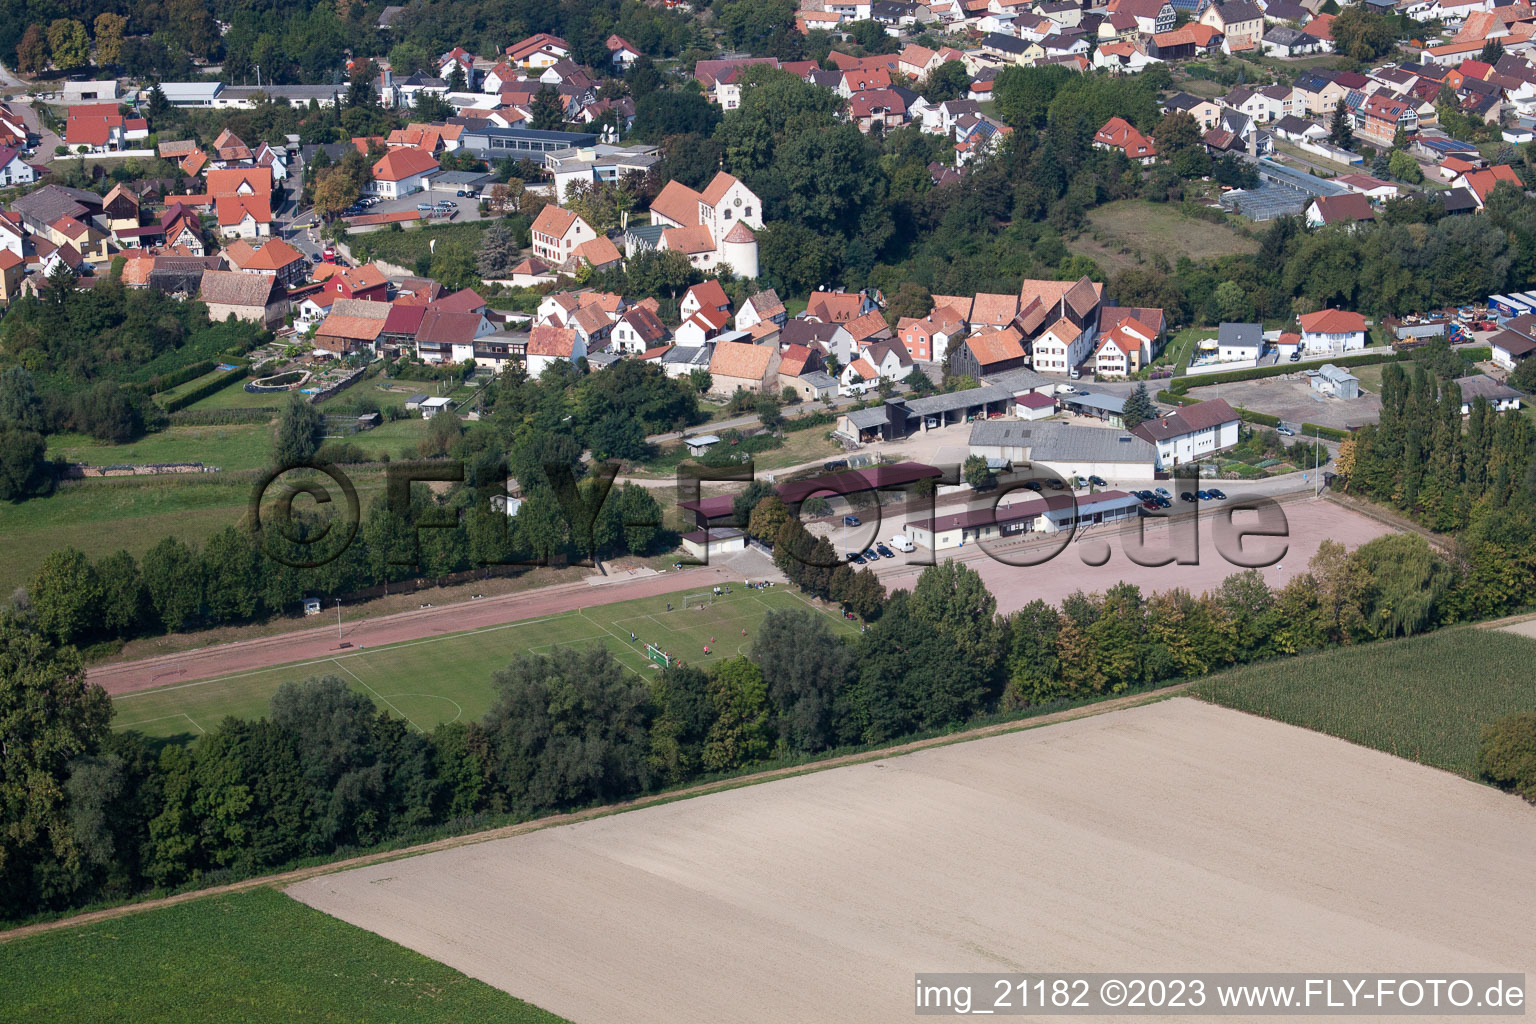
699 600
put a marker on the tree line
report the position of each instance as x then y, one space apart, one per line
108 816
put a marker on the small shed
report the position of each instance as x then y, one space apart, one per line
434 405
707 544
369 420
311 606
414 402
699 445
1032 405
1331 380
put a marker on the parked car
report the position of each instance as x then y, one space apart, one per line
852 521
1203 495
461 193
885 552
902 543
851 555
858 559
314 257
1296 356
871 555
835 464
1033 485
1218 495
1186 496
1162 492
1056 485
1097 481
1150 506
1163 502
1287 431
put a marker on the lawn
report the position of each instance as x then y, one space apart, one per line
1130 232
406 246
397 438
1181 346
236 397
228 446
448 678
194 384
1426 699
251 957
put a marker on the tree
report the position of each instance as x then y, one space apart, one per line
108 28
122 593
739 734
767 519
65 594
32 51
566 728
68 45
1362 35
498 250
1408 582
977 473
1506 755
233 575
1491 52
335 190
948 81
673 112
23 471
1340 131
547 109
196 30
1404 167
701 380
1138 407
1230 304
173 579
803 665
51 716
1176 132
298 432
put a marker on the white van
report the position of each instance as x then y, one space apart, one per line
901 542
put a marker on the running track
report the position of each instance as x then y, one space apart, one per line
321 642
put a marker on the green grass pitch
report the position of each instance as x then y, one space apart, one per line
253 957
448 678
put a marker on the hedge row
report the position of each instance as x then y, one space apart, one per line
222 417
176 378
1332 433
1263 419
197 394
1183 384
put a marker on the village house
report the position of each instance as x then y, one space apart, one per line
1117 133
1241 22
764 307
254 297
1332 331
735 366
549 345
402 171
991 351
929 339
712 228
1190 432
273 257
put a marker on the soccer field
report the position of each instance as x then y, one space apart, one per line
448 678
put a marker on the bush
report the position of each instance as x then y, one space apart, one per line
1507 755
1332 433
221 417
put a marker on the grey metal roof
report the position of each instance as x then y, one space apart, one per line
1020 380
1067 442
1330 372
864 419
819 379
1094 400
1001 434
461 178
1052 441
1250 335
957 400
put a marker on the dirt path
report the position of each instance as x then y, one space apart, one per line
322 641
289 877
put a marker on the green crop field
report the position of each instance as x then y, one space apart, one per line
448 678
251 957
1426 699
